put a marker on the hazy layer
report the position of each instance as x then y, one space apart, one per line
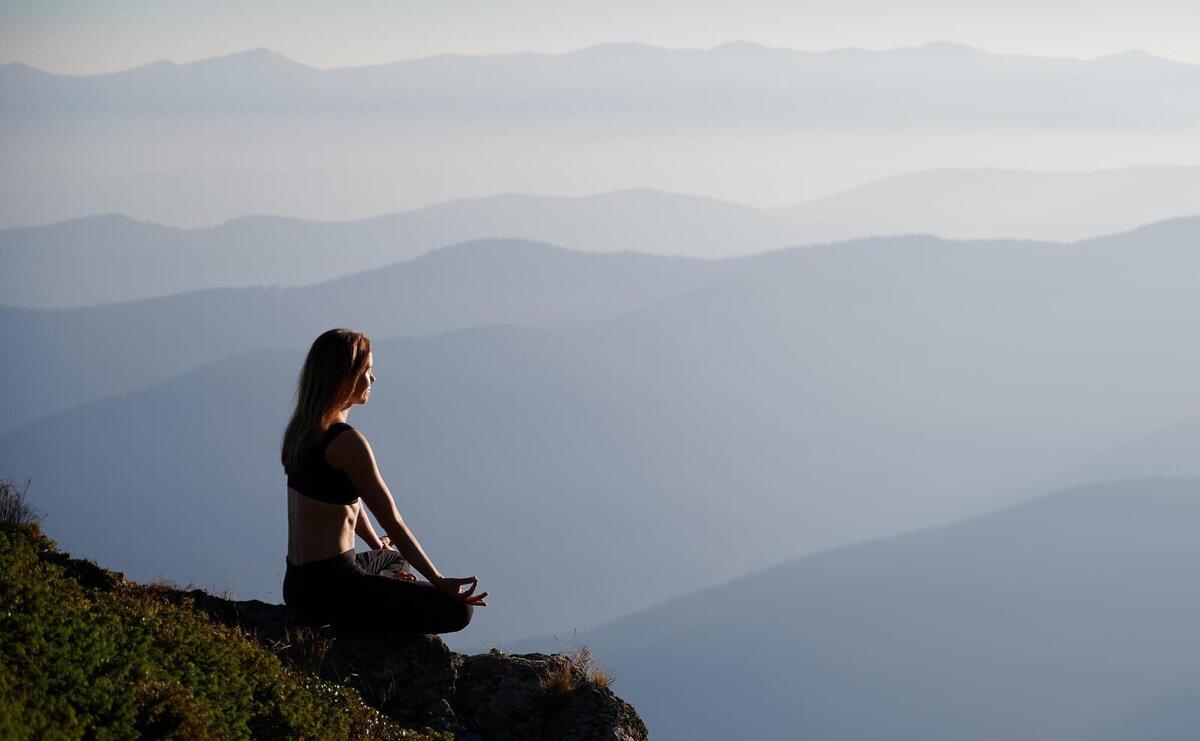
255 133
352 168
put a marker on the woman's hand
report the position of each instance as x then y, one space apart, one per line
399 572
454 586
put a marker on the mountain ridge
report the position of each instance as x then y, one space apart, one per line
614 82
49 266
492 280
261 54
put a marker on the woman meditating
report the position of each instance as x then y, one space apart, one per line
330 468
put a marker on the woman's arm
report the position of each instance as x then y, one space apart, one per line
362 527
350 452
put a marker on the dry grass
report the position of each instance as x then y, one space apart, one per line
305 649
593 673
559 682
579 669
14 510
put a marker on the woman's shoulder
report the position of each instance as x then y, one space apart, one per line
346 446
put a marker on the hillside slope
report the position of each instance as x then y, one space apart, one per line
1070 617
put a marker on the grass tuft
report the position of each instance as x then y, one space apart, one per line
593 673
15 512
559 682
306 649
578 670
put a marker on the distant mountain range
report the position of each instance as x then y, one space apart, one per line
56 266
68 356
786 402
71 356
940 83
254 133
1067 618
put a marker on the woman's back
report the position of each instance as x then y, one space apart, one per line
323 506
315 478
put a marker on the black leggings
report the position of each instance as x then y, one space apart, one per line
349 590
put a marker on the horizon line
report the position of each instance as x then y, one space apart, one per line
932 44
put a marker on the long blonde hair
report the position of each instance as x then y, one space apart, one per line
326 384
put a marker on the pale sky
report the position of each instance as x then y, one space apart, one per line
78 37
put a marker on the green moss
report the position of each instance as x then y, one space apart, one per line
89 655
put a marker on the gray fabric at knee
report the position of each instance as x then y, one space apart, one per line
375 563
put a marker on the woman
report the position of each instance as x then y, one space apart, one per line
330 467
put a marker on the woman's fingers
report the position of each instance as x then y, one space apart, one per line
459 583
469 596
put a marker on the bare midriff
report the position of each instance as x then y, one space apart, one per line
319 530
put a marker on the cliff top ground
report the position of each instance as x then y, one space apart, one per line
89 653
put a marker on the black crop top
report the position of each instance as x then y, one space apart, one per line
317 479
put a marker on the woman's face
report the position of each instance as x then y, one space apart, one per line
362 385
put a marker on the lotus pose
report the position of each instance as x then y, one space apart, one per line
330 468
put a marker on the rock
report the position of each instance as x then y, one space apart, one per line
592 713
502 696
541 696
418 681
